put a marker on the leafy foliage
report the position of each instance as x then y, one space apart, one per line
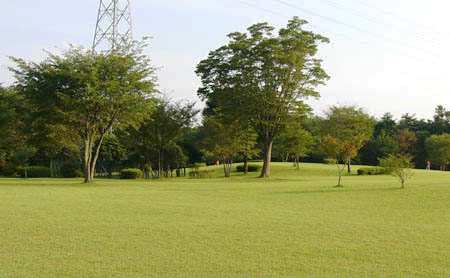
264 77
438 149
131 174
90 93
371 171
399 166
34 172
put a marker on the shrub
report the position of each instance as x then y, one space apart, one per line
130 174
8 169
251 168
372 171
329 161
202 174
34 172
71 170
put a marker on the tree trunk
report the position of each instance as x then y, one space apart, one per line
159 165
265 173
97 152
297 162
349 163
245 165
87 160
340 170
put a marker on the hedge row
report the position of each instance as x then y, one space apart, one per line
251 168
372 171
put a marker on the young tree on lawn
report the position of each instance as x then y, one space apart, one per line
351 127
341 150
91 93
399 166
438 150
264 77
222 141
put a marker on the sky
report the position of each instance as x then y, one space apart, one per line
384 55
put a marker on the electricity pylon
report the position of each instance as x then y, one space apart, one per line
114 26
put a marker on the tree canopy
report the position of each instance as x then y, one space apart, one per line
265 77
91 93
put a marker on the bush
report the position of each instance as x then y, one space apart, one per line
8 169
202 174
130 174
329 161
199 165
34 172
372 171
71 170
251 168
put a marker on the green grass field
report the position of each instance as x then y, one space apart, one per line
295 224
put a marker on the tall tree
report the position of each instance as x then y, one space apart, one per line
93 94
386 124
12 122
265 77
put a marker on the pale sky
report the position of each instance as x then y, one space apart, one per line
384 55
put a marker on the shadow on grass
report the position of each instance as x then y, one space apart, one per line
337 190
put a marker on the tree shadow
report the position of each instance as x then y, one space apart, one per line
337 190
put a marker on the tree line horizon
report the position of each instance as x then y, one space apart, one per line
82 113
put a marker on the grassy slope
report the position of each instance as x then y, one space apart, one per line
293 225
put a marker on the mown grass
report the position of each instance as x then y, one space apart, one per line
295 224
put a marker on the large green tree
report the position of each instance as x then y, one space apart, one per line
91 93
265 77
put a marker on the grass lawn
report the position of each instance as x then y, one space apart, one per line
295 224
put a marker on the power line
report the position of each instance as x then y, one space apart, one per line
356 28
328 31
359 14
397 17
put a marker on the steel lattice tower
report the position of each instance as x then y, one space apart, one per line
114 26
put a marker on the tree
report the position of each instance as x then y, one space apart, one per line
441 121
156 138
223 141
381 146
340 150
295 141
91 93
264 77
399 166
386 124
350 127
22 156
13 114
438 149
406 140
111 154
